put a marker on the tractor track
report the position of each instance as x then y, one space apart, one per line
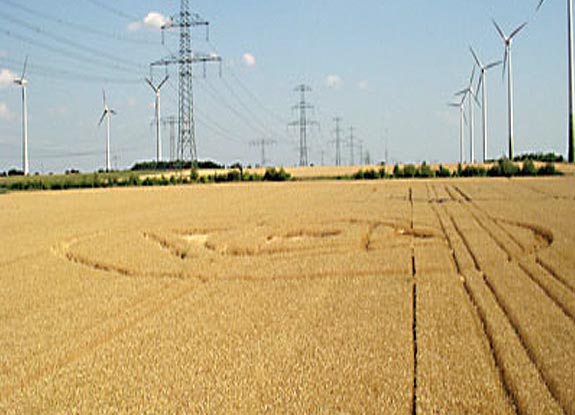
544 376
482 319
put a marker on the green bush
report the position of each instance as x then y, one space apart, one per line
528 168
473 171
548 170
397 172
409 170
424 171
274 175
442 172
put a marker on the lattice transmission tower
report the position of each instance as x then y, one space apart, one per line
303 123
185 21
263 143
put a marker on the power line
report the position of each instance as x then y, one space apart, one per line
76 26
208 122
51 72
218 98
67 54
113 10
257 100
254 117
16 21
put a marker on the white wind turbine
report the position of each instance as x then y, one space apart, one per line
507 61
23 82
470 94
157 90
462 120
483 86
571 126
107 114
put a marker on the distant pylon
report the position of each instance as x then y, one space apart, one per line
303 123
263 143
187 148
351 144
171 122
337 131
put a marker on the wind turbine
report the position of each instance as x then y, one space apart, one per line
507 61
157 90
571 136
470 94
23 82
107 114
483 83
461 106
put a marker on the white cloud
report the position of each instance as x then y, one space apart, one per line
135 26
363 85
7 77
249 59
334 81
153 20
5 112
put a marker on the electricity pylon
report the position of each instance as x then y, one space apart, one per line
303 123
337 141
171 122
263 143
351 145
185 21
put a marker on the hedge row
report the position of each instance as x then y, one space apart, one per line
503 168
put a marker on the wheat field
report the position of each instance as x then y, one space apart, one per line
404 297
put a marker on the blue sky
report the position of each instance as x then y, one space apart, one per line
387 67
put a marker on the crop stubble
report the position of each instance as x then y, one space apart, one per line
369 297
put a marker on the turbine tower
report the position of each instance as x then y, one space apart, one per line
507 61
470 94
23 82
157 90
461 106
571 126
107 114
483 86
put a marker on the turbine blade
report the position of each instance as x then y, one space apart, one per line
472 76
499 30
151 84
493 65
480 83
540 4
102 118
163 82
113 112
476 99
25 67
104 97
504 62
475 57
453 105
465 119
519 29
462 92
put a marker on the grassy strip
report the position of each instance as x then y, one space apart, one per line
132 179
